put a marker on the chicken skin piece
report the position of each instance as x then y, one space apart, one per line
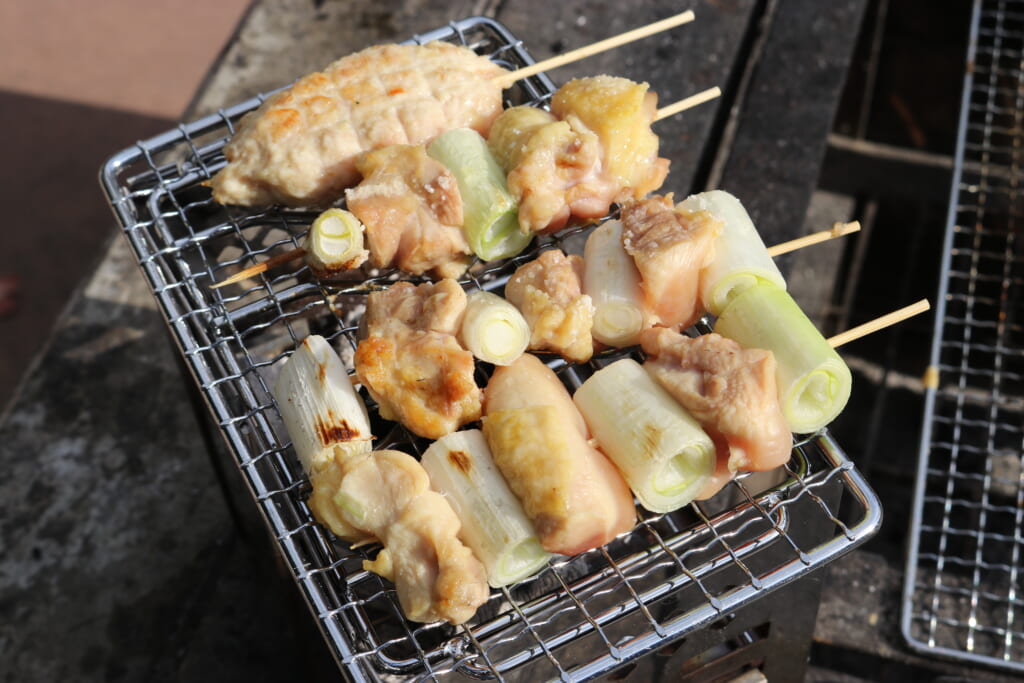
594 148
412 210
620 113
548 291
385 495
300 146
669 247
730 390
574 495
411 362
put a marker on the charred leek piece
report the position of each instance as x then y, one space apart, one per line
741 259
335 243
814 382
611 279
494 525
320 408
491 221
493 329
662 452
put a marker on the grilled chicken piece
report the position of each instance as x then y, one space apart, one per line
299 148
411 362
620 112
548 291
595 148
669 246
573 494
385 495
559 176
730 390
412 210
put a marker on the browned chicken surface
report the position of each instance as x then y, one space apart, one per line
620 112
730 390
595 148
411 362
669 247
300 146
573 494
385 495
548 291
412 210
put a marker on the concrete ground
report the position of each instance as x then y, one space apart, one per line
78 82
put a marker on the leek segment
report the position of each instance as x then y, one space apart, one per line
319 406
494 525
662 452
814 381
493 329
741 259
612 281
335 243
491 220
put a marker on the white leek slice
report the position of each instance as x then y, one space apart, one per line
490 215
493 329
612 281
662 452
319 405
335 243
741 259
494 525
814 381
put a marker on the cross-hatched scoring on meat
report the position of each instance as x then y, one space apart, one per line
299 148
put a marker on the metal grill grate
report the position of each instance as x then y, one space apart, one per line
578 618
964 590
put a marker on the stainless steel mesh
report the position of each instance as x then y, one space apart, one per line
578 618
963 590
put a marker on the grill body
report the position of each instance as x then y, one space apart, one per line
963 585
703 587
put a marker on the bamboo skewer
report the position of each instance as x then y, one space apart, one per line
838 230
595 48
688 103
261 267
879 323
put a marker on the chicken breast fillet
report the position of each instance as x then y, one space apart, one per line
300 146
385 495
412 210
574 495
730 390
411 362
670 246
548 291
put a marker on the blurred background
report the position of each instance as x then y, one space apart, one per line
79 81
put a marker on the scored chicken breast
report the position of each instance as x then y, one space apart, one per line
670 246
730 390
411 362
412 210
300 146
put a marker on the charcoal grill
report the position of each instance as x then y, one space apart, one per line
683 582
964 583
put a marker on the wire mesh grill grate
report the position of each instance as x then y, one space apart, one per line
579 617
963 592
